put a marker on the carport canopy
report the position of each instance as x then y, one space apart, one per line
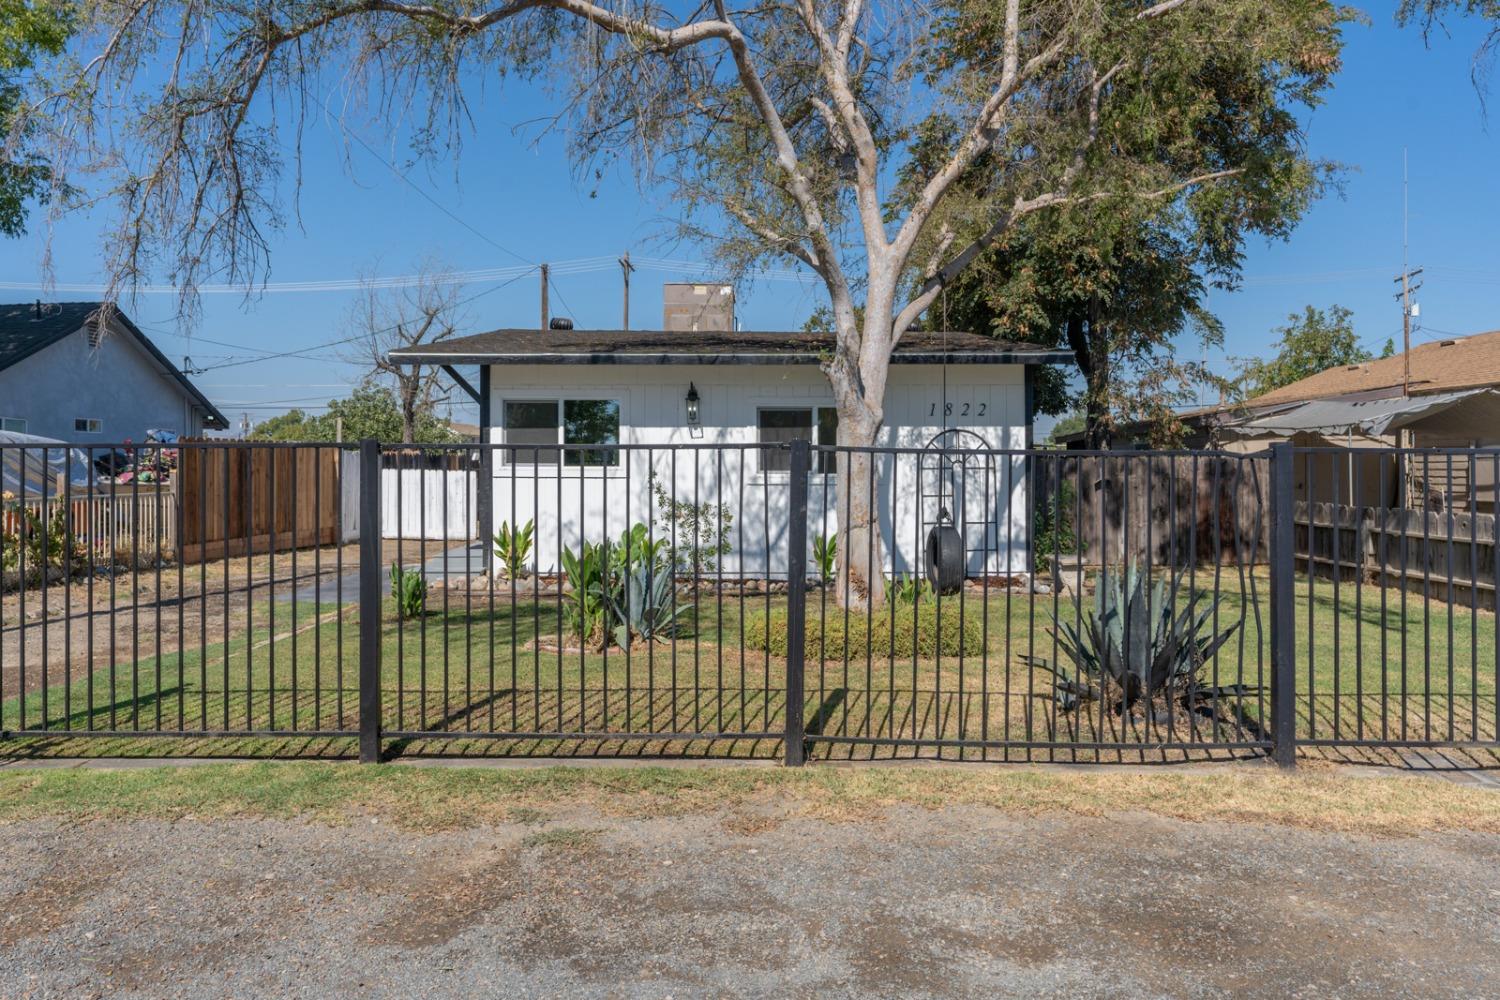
1471 413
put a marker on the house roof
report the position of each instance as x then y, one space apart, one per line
26 328
1445 365
659 347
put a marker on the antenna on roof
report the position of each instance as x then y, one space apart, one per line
1408 310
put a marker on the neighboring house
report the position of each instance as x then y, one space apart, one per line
736 391
1444 394
83 372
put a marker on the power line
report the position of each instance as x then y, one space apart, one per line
304 352
415 187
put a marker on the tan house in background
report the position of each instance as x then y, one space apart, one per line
1449 397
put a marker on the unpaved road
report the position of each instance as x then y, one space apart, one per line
961 902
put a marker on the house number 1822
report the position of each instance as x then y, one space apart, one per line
963 409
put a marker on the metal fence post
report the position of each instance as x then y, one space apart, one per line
369 601
484 491
796 603
1283 624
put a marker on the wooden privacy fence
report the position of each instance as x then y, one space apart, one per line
238 500
1446 556
1165 508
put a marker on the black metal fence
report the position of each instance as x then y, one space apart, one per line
692 598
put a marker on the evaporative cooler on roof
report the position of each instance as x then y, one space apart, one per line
705 306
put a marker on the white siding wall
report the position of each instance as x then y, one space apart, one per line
990 400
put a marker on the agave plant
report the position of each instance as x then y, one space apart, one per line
643 605
1140 642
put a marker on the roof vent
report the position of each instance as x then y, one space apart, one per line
1446 343
560 323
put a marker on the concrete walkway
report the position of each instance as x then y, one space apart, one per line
462 560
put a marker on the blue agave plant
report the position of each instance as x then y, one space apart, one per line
1141 642
643 605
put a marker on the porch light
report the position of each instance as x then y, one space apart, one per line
692 406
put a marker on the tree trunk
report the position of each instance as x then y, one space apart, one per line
861 552
408 414
1094 366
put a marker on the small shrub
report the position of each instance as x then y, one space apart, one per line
409 590
907 589
1055 534
697 533
829 639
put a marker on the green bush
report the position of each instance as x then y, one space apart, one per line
827 637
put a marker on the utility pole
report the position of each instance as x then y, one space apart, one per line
545 280
625 268
1407 288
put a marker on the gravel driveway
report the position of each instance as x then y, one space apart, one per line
955 902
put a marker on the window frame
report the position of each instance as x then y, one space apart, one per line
86 428
14 420
559 401
814 406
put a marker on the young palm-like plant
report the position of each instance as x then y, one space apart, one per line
1139 644
410 591
513 547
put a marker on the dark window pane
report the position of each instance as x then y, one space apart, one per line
531 422
591 421
779 427
828 434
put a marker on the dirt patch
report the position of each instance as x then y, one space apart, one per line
959 901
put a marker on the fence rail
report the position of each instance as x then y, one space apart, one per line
779 600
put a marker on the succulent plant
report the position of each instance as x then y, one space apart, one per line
644 605
1140 642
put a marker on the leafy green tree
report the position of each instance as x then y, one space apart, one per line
29 30
1309 343
1120 293
370 411
1069 423
785 121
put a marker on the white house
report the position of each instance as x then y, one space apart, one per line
709 411
82 372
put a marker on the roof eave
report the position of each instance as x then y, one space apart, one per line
721 358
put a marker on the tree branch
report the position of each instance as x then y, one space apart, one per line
931 288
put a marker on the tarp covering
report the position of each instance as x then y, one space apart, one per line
1473 413
28 462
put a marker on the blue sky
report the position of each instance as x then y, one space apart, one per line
520 204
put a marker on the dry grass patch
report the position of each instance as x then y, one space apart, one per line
430 799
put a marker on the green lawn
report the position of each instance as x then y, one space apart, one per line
471 669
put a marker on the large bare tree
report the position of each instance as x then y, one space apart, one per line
385 319
777 128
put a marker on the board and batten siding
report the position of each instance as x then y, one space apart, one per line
989 400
